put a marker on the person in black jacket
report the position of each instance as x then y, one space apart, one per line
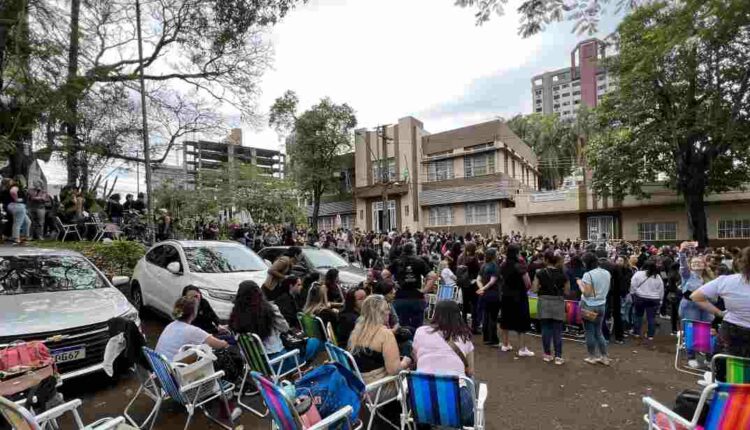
614 298
349 315
284 296
206 318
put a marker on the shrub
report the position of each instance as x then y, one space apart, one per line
116 258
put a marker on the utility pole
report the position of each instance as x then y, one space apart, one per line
146 151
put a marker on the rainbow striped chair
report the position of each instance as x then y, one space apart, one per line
285 417
730 369
728 411
573 313
695 337
435 400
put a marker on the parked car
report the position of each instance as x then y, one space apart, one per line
59 297
216 267
319 260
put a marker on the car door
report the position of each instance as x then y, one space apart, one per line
170 284
147 278
157 280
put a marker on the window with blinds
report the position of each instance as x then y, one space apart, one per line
441 215
481 213
479 164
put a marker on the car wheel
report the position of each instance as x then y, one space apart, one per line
136 297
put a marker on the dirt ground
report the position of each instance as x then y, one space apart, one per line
523 393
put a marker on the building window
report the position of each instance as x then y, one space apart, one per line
576 84
378 171
576 93
566 94
538 101
564 86
556 97
325 223
601 78
347 222
557 106
361 214
601 87
440 170
538 92
481 213
567 112
538 109
406 210
441 215
651 231
480 164
378 217
734 229
577 102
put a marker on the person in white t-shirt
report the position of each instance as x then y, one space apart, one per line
447 277
180 332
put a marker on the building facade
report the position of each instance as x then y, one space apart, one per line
585 82
460 179
337 206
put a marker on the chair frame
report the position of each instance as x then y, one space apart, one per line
480 397
99 225
331 333
325 423
67 229
321 326
182 393
681 347
276 372
372 404
718 357
39 421
148 387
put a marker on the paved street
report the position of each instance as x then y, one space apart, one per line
526 393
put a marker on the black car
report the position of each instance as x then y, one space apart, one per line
321 261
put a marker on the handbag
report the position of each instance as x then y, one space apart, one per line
460 355
588 314
292 341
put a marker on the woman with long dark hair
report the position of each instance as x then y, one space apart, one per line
335 297
489 297
514 304
252 313
647 289
349 314
206 318
444 347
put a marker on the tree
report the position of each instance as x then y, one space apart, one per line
537 14
681 115
553 141
321 134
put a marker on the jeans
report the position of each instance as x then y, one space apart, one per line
650 307
552 334
489 324
594 337
467 406
690 311
312 348
38 215
21 221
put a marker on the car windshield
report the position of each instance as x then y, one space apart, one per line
324 259
222 259
47 273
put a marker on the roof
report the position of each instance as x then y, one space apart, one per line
474 193
334 208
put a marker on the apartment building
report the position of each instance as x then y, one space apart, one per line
584 82
460 179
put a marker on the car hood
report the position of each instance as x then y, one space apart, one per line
24 314
227 281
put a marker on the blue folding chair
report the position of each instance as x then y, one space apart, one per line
436 400
192 396
373 391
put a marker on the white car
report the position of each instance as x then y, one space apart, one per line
216 267
62 299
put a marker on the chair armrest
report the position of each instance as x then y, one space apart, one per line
214 377
372 386
330 419
284 356
105 424
481 396
57 411
659 407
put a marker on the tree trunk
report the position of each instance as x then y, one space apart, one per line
73 156
696 211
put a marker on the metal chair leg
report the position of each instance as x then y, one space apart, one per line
246 406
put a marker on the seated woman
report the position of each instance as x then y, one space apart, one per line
317 305
374 346
206 318
252 313
181 332
349 315
444 347
285 297
334 294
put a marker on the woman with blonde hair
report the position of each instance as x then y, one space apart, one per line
374 346
318 305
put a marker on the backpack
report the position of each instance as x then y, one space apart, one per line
332 386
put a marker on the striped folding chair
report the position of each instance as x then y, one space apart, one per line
573 313
695 337
256 360
285 417
436 400
192 396
372 396
730 369
312 326
728 410
21 418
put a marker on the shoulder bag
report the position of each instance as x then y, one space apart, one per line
588 314
460 355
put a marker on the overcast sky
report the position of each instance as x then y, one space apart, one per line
392 58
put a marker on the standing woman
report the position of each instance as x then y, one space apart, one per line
17 207
514 305
694 272
647 289
489 297
594 289
468 259
551 284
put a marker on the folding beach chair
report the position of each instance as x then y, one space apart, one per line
312 326
256 360
192 396
21 418
331 334
728 411
730 369
372 396
436 400
444 292
66 229
285 417
694 338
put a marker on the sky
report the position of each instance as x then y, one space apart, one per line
393 58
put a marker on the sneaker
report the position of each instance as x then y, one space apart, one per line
506 348
546 358
525 353
236 413
693 364
591 360
664 316
559 361
605 361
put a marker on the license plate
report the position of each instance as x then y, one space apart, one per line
70 353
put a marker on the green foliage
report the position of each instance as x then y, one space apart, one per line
680 116
116 258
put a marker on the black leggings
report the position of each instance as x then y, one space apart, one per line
489 326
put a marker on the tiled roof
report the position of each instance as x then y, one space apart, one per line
474 193
334 208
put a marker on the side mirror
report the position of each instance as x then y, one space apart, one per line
120 281
174 268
